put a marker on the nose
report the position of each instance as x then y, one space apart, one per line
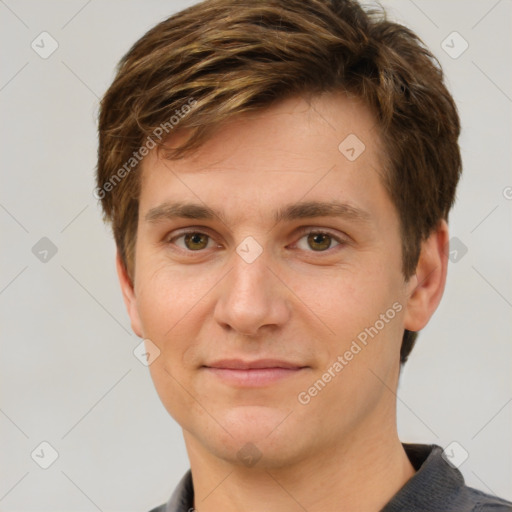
252 299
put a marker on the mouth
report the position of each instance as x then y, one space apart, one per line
258 373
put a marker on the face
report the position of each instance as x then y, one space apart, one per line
268 275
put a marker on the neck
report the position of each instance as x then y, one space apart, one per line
360 473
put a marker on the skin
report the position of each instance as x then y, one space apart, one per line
299 301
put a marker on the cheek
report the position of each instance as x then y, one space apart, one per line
156 300
174 306
168 307
364 310
348 298
163 306
165 293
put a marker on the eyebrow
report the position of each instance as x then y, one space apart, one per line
300 210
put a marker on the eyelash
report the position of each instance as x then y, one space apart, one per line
303 232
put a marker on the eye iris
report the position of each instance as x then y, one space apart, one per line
195 241
319 241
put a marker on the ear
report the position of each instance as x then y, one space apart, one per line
426 287
130 300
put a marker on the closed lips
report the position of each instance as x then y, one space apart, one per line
237 364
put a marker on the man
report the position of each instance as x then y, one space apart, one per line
278 175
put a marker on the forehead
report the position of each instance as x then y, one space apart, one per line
332 117
296 149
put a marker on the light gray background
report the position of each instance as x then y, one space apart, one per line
68 375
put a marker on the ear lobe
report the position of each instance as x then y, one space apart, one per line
129 298
426 287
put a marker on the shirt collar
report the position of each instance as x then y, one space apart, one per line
433 487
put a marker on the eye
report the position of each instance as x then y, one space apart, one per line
318 241
192 241
311 241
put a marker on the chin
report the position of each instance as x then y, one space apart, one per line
255 436
256 421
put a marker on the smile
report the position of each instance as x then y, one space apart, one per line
252 374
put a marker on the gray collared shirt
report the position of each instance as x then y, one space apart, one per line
436 487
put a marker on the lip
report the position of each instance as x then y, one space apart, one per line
240 364
261 372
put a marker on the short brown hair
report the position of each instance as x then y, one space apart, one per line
235 56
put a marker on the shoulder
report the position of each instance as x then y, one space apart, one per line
161 508
439 486
482 502
182 499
